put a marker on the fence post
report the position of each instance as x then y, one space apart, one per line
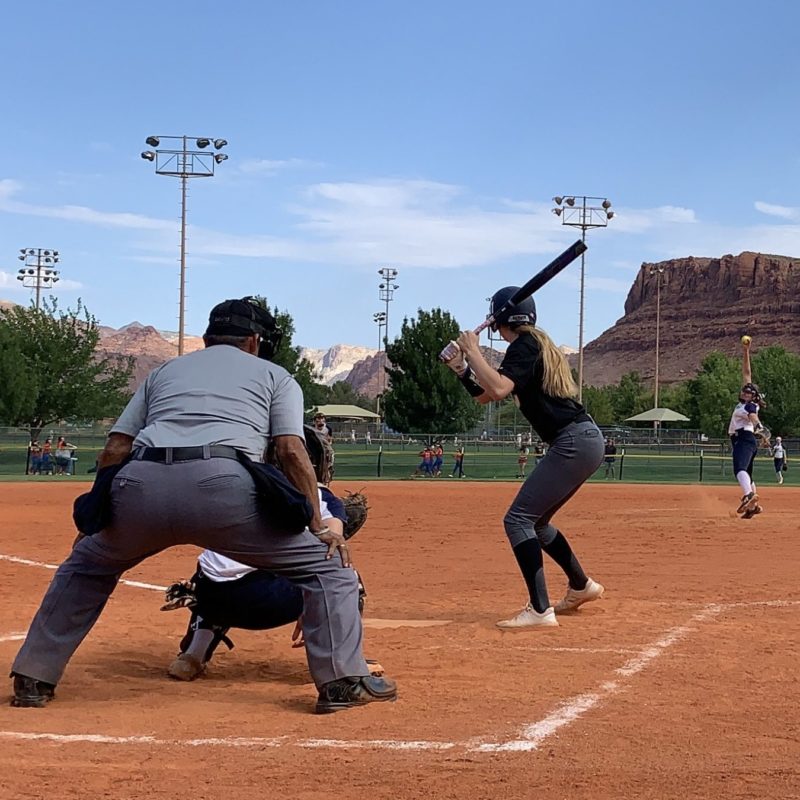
380 459
621 462
701 466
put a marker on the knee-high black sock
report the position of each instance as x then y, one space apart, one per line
529 558
560 551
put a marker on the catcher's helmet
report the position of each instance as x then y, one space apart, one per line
246 317
320 454
523 313
754 390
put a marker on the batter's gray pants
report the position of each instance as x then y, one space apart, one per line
573 456
210 503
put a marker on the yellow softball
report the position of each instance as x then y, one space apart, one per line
746 339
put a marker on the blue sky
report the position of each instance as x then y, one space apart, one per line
429 137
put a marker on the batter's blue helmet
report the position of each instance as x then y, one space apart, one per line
524 313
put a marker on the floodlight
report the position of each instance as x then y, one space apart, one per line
153 141
220 157
570 201
149 155
220 143
606 204
557 211
558 200
201 143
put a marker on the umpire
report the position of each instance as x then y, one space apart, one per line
183 483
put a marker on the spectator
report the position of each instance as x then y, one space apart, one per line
610 457
47 458
522 461
538 451
425 465
438 460
36 458
458 465
368 437
779 458
323 428
64 454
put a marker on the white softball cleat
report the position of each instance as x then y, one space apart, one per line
574 598
528 618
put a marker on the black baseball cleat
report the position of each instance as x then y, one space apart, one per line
751 512
748 501
30 693
356 691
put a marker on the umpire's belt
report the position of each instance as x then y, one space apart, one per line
169 455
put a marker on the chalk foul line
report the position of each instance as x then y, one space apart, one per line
530 737
28 563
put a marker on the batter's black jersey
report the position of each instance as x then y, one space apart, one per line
548 415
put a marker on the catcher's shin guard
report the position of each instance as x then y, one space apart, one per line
197 623
362 593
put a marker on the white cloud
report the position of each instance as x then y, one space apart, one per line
267 166
107 219
629 220
784 212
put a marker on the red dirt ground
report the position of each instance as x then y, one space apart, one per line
710 711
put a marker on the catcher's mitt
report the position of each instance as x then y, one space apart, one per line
180 595
356 508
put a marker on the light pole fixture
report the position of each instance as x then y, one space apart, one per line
386 294
380 318
39 271
658 272
184 157
580 211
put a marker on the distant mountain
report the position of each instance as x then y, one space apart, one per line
337 362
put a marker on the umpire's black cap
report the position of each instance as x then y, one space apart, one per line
243 317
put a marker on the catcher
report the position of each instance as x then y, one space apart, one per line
746 430
225 594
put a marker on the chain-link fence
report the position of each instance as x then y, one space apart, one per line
678 459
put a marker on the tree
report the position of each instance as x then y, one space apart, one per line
59 374
599 403
288 357
713 392
424 396
18 385
630 397
777 374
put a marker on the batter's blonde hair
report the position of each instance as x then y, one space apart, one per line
557 380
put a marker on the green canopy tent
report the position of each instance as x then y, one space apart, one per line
658 415
346 412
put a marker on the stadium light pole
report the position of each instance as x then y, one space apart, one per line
386 294
39 271
584 212
380 318
184 157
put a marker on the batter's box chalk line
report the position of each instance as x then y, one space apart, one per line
530 737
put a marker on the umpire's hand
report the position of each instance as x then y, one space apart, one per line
335 541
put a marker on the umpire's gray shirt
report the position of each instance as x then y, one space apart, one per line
220 395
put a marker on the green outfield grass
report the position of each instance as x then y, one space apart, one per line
640 464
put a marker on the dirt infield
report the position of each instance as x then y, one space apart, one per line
681 683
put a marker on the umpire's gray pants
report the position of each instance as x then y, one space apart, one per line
210 503
571 458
